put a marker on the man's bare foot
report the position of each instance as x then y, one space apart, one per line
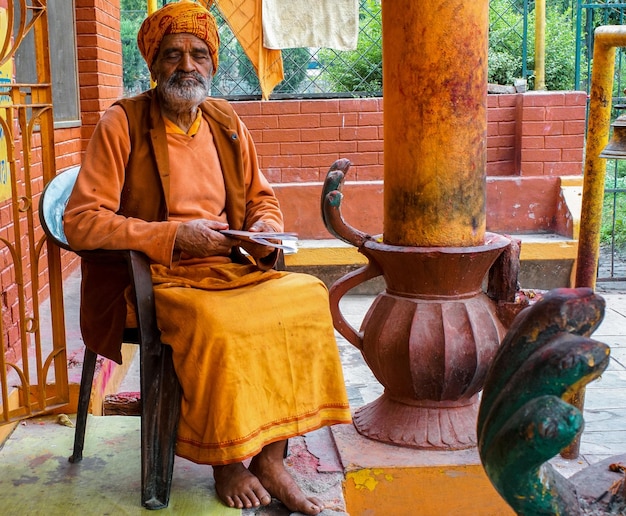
269 468
239 488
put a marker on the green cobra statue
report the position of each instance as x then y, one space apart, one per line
525 418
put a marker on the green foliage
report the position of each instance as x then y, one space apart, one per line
227 56
295 61
505 44
610 228
134 5
506 27
504 67
360 70
613 225
136 76
560 48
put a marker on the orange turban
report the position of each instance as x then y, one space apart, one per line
175 18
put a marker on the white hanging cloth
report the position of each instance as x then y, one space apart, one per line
310 23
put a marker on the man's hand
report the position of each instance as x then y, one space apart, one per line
200 238
259 250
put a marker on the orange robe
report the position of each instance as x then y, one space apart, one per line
254 351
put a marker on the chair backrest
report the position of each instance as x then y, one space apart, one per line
52 205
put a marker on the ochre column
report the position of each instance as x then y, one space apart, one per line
435 121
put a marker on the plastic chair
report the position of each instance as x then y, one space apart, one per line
160 390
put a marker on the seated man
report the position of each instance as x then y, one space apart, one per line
253 348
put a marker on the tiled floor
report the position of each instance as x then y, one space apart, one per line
605 399
605 405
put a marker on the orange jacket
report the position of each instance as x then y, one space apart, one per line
124 183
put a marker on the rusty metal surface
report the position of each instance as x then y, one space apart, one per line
607 38
435 121
429 339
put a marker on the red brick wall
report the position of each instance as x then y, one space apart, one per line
297 140
100 81
99 59
100 78
530 134
552 133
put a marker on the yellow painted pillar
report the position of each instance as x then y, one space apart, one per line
435 121
540 44
152 7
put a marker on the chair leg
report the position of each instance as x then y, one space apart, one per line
160 395
86 380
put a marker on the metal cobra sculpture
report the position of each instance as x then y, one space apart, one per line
525 416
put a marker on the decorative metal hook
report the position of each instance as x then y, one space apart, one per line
331 206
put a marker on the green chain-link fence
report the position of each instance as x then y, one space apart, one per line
308 71
323 72
590 15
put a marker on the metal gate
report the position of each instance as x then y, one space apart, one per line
33 365
612 262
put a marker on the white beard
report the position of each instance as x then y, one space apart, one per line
184 94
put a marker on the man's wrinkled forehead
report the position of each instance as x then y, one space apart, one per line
182 42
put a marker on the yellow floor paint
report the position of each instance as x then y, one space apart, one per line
535 246
383 480
37 479
6 431
324 252
422 491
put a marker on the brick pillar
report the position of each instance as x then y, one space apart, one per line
553 135
99 59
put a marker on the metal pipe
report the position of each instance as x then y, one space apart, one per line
152 6
435 120
607 38
540 44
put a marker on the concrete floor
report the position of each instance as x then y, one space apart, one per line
35 477
605 402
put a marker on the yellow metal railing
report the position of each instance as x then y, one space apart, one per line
606 39
33 370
